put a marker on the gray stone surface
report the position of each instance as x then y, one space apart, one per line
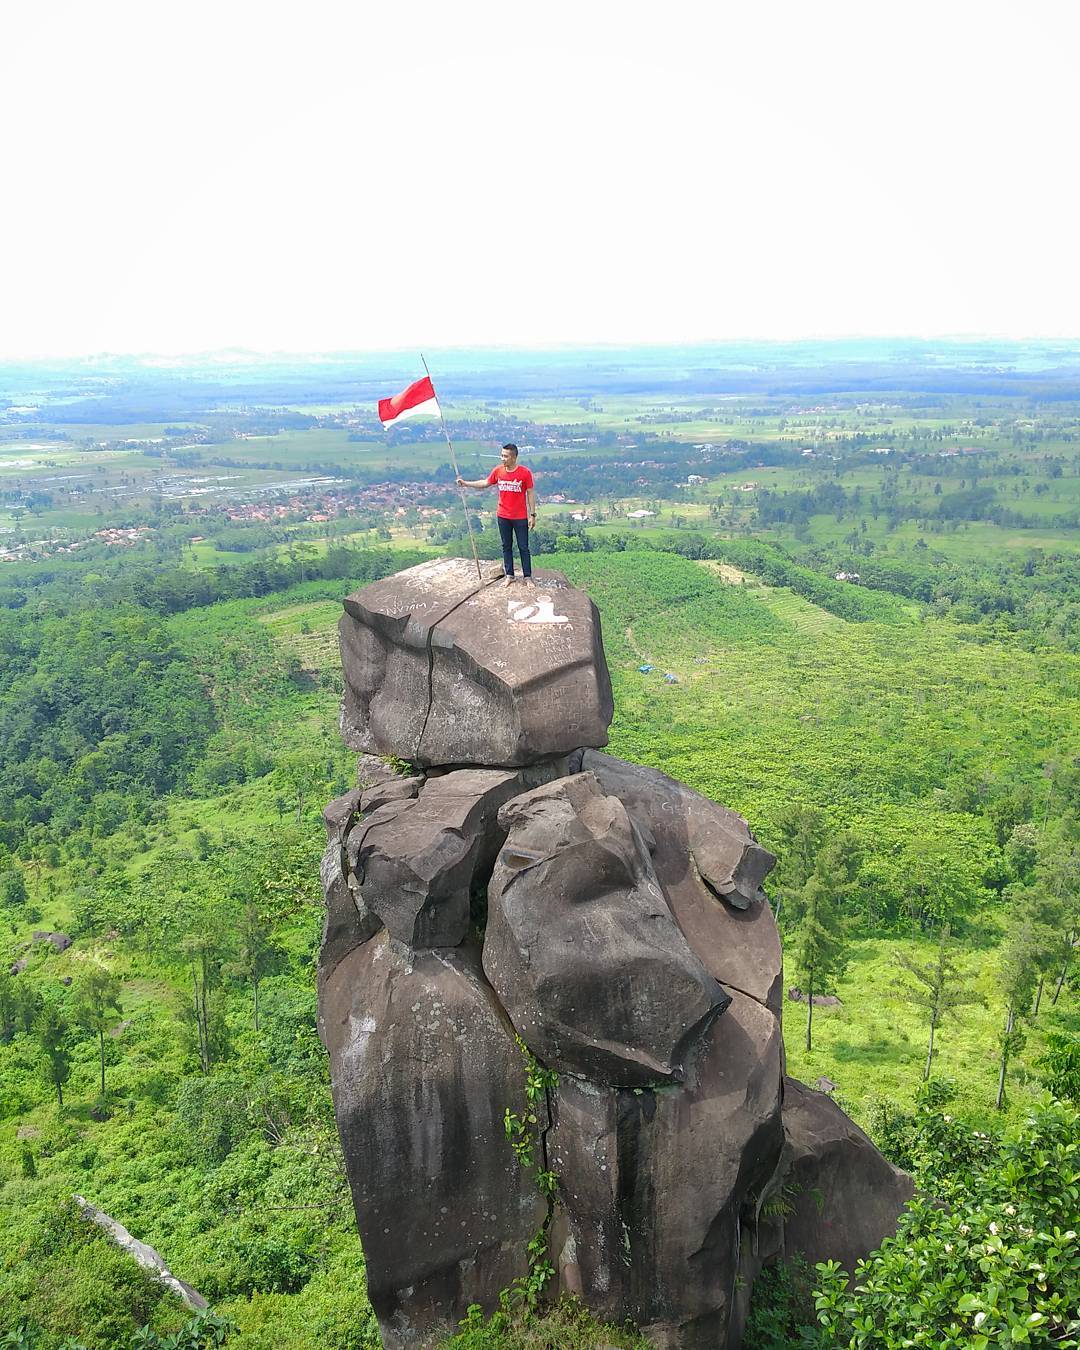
441 668
423 1066
711 870
820 1000
581 947
347 922
58 941
655 1184
847 1196
417 858
339 814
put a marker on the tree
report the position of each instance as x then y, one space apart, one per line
257 955
97 1006
53 1035
203 959
25 1005
299 774
798 835
1059 870
1019 973
13 887
936 990
820 952
7 1001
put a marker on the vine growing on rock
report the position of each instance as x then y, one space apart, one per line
527 1136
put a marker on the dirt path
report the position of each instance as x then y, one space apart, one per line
725 572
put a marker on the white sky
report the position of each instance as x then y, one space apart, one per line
313 175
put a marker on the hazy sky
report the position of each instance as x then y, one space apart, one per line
184 176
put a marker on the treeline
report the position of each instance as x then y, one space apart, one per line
59 586
99 716
979 502
664 467
1034 597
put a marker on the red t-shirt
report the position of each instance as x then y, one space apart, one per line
513 484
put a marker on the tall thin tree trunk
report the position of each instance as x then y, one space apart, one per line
256 984
1038 996
198 1015
101 1047
809 1016
1004 1059
929 1053
206 1011
1061 977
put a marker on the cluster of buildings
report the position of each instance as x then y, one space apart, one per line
394 498
47 548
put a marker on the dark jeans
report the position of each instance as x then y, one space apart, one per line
509 528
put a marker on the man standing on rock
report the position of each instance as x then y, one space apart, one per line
517 509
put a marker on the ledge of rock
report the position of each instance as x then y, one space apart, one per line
442 668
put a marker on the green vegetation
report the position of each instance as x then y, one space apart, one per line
908 744
993 1241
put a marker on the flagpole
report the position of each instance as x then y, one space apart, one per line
453 461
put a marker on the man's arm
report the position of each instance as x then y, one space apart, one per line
530 502
472 482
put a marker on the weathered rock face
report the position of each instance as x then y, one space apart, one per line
418 853
441 668
625 939
711 869
846 1196
582 949
423 1066
347 922
655 1182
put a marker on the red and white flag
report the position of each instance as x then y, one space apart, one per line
417 401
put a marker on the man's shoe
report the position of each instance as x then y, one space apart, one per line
528 581
509 580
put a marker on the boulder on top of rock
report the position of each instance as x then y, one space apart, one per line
846 1196
416 858
654 1184
424 1065
442 668
710 868
581 947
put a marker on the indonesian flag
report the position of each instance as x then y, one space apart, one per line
417 401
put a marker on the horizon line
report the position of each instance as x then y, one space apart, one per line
239 350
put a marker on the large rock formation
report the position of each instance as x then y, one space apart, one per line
519 894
